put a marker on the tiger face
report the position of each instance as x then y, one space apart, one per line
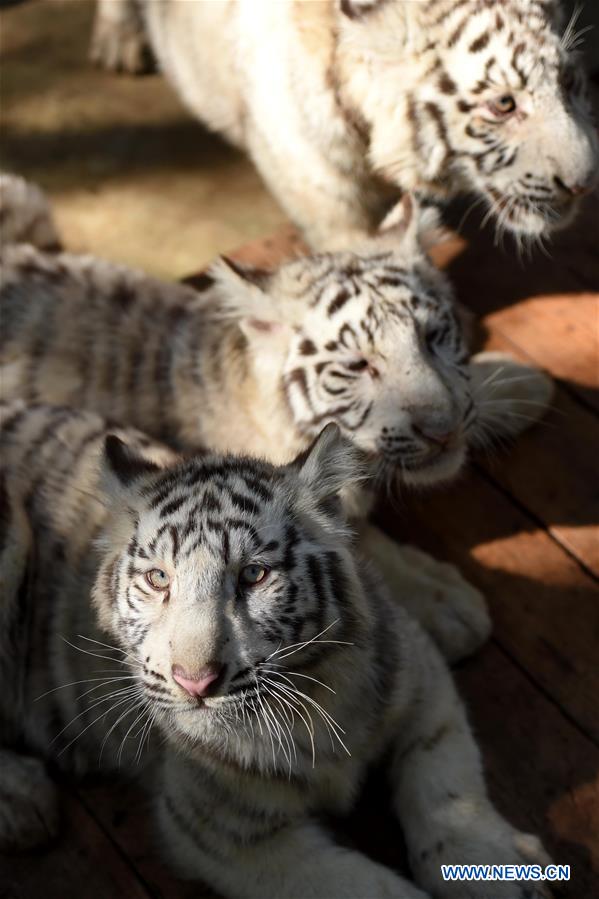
216 570
381 354
371 342
497 105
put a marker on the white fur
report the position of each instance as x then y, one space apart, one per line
339 103
243 775
410 385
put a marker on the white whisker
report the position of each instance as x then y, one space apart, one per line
124 691
126 699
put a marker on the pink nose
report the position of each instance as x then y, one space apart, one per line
575 190
441 438
197 684
579 190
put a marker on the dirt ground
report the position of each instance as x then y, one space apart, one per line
131 175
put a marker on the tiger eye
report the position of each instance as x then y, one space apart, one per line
158 579
504 105
251 575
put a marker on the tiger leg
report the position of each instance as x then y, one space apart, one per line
28 798
452 611
509 395
119 41
334 219
250 857
438 788
29 806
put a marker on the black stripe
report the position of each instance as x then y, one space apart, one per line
458 31
175 541
292 539
315 573
173 506
307 347
244 503
479 43
339 302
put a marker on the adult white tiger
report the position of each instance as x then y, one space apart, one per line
338 101
273 664
258 362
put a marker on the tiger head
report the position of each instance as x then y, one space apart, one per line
474 95
218 579
368 340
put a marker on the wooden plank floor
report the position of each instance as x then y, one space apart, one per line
523 526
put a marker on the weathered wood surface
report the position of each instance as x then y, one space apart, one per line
84 862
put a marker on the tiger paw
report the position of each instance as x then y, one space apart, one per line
484 840
452 611
119 44
510 396
29 807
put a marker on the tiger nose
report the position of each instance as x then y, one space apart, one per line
201 683
575 190
440 436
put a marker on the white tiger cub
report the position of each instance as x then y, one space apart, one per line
340 103
269 659
258 362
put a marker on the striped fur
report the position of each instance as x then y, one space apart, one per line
342 102
369 341
319 675
25 215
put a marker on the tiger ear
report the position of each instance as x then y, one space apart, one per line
410 228
330 463
123 463
410 225
239 275
122 468
245 294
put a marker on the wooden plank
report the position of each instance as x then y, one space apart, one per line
543 774
125 812
545 608
490 277
553 471
561 334
83 862
547 307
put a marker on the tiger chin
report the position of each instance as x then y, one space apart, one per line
228 598
258 362
438 96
